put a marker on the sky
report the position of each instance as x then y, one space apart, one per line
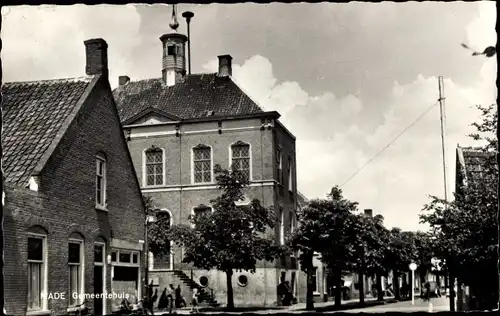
347 79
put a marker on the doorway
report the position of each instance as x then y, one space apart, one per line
98 290
99 279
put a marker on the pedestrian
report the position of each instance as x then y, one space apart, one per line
170 295
163 302
178 296
194 302
427 291
288 294
282 290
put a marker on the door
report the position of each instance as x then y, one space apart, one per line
98 290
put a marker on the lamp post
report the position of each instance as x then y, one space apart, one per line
413 267
149 219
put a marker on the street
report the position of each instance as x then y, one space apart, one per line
438 305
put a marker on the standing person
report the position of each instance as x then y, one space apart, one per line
178 296
194 302
163 302
170 295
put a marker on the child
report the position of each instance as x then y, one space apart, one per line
194 302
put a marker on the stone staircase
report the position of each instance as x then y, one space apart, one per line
205 293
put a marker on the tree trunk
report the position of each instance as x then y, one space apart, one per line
361 288
395 284
310 270
338 287
229 284
452 292
380 294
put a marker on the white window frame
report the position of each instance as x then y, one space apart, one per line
101 159
81 273
117 263
192 212
282 226
44 290
151 258
316 292
240 143
144 167
211 164
279 161
103 265
290 174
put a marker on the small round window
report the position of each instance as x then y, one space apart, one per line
242 280
203 281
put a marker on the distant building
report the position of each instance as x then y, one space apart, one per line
73 213
178 128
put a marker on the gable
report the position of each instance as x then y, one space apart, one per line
96 130
151 116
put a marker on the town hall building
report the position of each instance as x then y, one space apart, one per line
179 126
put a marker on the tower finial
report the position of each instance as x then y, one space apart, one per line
174 24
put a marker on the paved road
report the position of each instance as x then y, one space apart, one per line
438 305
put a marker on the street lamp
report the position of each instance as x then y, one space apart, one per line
413 267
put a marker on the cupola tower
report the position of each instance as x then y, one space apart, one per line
174 53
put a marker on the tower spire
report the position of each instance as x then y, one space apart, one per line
174 24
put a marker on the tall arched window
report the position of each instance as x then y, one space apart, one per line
240 158
202 164
76 269
154 166
163 261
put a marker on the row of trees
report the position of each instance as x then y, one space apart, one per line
349 242
465 229
235 237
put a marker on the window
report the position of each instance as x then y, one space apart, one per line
99 254
75 264
290 175
203 281
171 50
101 181
240 156
242 280
279 166
202 161
315 280
202 209
36 273
282 227
154 166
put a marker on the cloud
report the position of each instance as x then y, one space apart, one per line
333 143
64 28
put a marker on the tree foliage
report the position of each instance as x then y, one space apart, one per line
232 237
465 229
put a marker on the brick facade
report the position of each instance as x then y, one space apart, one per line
65 204
179 195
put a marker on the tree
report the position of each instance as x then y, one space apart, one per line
399 254
465 228
322 229
232 237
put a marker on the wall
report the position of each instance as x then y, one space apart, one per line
65 203
179 195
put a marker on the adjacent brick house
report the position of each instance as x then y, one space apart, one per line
73 214
178 127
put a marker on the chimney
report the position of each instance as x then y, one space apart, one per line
369 212
97 57
225 68
123 80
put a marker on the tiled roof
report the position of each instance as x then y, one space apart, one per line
33 113
475 160
196 97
